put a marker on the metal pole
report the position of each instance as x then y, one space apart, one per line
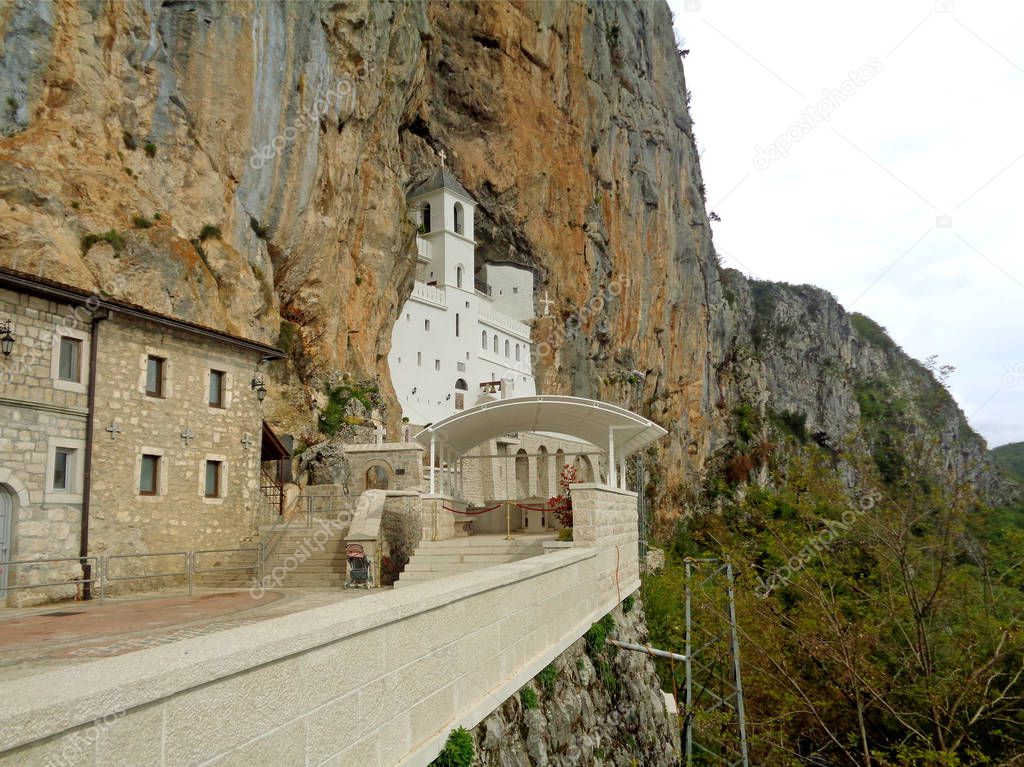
740 709
508 520
689 673
647 649
189 565
611 456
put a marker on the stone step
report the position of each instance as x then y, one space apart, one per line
496 550
485 541
447 567
496 558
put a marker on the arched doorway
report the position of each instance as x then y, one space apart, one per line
377 478
584 469
543 474
522 474
6 526
461 387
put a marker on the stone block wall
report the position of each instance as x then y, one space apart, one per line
401 461
605 519
37 414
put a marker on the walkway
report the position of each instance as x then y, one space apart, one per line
38 639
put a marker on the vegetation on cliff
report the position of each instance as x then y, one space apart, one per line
879 598
1010 460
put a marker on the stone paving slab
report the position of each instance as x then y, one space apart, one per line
43 638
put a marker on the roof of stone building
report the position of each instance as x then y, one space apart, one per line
44 287
442 178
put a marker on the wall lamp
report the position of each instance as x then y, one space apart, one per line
6 338
256 384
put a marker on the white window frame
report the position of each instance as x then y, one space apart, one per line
74 495
81 386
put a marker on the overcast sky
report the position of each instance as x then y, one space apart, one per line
898 185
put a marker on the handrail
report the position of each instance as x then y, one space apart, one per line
77 581
255 565
187 572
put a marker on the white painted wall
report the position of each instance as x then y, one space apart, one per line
426 353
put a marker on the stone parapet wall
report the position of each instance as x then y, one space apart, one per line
379 685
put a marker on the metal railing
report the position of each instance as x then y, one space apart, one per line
108 578
100 567
483 287
93 568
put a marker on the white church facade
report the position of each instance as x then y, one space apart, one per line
463 334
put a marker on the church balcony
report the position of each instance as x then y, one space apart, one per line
483 287
429 294
422 249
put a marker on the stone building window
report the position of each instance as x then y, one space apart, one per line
506 348
69 365
495 343
64 469
216 393
426 325
437 365
517 352
155 376
149 477
213 479
483 340
458 276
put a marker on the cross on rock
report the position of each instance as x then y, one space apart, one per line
547 302
188 435
247 441
444 156
114 429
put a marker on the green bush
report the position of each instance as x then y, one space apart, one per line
141 222
546 678
597 635
112 236
627 604
565 534
457 751
150 149
871 331
529 698
209 231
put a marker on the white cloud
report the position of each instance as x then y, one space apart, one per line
937 131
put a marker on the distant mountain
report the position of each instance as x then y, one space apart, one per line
1010 458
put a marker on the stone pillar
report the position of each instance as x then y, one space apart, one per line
605 518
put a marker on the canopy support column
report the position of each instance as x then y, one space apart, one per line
433 452
611 456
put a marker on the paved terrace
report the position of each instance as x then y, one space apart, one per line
36 639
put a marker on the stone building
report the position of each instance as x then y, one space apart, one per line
121 432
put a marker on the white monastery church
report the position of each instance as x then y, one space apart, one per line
463 333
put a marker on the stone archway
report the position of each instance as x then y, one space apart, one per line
378 477
522 474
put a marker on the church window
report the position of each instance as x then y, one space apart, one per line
458 276
458 218
483 339
425 223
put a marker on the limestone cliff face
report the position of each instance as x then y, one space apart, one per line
249 164
600 709
296 129
796 350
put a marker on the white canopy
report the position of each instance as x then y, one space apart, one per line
599 423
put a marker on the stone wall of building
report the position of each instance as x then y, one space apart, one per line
185 431
402 463
39 413
486 480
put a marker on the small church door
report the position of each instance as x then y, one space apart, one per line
6 513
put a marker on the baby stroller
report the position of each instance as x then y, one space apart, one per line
360 574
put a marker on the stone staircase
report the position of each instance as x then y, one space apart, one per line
295 562
440 559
